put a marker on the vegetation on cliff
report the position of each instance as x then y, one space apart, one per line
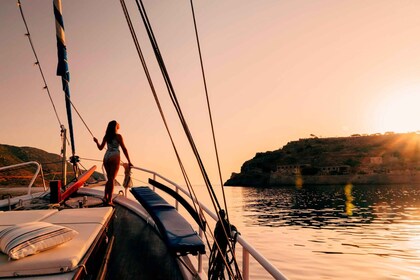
369 154
51 165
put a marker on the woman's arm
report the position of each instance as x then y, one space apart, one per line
124 149
100 146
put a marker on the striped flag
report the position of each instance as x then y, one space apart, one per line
62 67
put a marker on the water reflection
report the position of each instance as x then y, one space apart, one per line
333 232
349 199
330 207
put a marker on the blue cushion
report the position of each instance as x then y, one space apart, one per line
178 234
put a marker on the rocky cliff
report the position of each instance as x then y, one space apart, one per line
51 165
370 159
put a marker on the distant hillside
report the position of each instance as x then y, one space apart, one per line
368 157
51 165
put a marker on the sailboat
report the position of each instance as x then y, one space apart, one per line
66 232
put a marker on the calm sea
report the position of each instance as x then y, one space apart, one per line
332 232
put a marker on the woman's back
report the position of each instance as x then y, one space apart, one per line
113 144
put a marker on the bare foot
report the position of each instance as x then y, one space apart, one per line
110 204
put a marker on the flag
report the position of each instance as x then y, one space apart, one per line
62 67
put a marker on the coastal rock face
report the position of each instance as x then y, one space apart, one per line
371 159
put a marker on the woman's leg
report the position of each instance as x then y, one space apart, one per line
112 164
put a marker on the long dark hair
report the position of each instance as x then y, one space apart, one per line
111 130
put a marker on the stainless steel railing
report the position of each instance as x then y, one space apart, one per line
247 248
38 170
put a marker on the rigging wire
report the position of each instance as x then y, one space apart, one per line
37 62
139 51
183 170
91 159
140 54
80 116
209 108
175 102
180 115
190 189
188 183
229 226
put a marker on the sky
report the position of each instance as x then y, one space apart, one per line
276 71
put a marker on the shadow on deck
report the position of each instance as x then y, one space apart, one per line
139 253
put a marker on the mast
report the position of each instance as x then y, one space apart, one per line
63 151
63 71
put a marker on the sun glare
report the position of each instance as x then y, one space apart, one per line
398 112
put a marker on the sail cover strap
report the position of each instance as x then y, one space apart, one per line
62 67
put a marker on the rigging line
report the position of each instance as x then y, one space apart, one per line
185 175
42 73
75 109
84 168
77 112
209 108
91 159
62 68
173 97
212 128
134 36
207 182
140 54
175 102
151 82
177 107
28 34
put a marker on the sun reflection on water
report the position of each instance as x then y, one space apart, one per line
340 232
349 199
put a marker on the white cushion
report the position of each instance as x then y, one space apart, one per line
11 218
63 258
26 239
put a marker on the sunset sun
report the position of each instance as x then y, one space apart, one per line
398 112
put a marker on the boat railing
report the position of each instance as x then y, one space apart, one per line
247 249
38 170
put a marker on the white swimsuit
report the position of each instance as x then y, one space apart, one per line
113 149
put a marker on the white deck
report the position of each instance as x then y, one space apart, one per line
88 222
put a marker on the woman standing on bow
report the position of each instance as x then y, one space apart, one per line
112 157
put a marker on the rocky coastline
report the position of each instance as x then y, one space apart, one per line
359 160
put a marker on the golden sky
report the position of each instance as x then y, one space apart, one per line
276 70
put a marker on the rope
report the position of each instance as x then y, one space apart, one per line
75 109
216 259
209 109
141 57
228 229
37 62
62 68
176 104
97 160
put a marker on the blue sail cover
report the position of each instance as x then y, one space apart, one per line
62 67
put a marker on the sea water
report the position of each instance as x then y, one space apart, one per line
331 232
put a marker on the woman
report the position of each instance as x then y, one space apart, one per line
112 157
